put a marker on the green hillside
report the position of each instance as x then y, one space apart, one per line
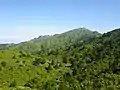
79 59
57 41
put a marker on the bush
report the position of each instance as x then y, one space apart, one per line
3 63
12 84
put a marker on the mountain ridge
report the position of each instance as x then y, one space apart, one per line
55 41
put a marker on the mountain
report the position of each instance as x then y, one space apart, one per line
100 62
2 46
58 40
40 38
79 59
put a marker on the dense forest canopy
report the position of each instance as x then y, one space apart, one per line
79 59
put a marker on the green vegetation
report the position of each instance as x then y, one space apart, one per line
79 59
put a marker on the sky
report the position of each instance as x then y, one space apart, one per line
22 20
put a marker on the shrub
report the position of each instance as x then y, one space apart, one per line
3 63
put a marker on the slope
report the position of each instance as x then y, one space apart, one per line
46 69
58 40
85 64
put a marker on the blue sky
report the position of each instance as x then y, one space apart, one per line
22 20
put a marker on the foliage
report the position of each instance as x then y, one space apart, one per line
76 60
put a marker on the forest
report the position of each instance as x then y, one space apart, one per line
80 59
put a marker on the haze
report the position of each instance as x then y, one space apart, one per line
22 20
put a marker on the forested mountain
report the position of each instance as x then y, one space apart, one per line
76 60
58 40
40 38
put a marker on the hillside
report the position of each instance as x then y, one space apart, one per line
57 41
76 60
3 46
40 38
